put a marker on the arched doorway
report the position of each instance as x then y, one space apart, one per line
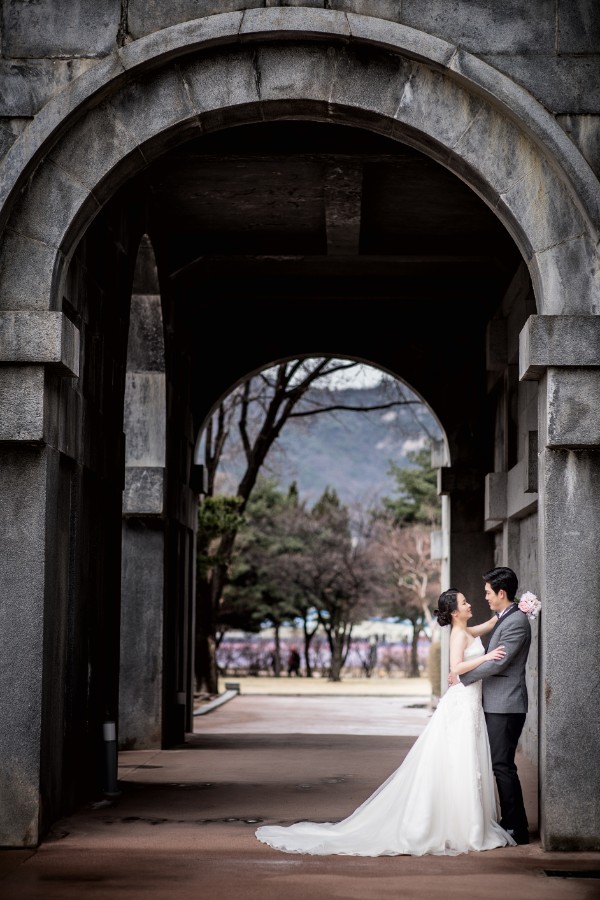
77 156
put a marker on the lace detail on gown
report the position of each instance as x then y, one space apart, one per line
440 801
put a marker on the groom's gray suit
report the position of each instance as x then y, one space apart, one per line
505 706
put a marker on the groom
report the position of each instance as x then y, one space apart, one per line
505 695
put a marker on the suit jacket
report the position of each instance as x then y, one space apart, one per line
504 689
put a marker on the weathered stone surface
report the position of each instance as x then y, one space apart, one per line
53 28
494 499
485 26
10 129
28 85
584 131
410 41
147 16
96 147
386 9
27 270
142 636
304 21
153 104
529 580
22 562
216 82
381 83
53 204
573 412
562 84
145 344
565 278
22 403
144 491
40 337
145 412
570 635
282 72
578 26
558 341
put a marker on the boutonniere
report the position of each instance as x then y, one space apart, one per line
530 605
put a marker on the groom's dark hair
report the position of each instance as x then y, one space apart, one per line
502 578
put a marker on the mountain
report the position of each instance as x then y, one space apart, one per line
350 451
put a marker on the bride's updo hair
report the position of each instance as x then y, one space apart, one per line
446 605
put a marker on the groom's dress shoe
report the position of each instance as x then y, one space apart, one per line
521 837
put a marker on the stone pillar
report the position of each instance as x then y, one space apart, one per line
143 548
563 354
469 552
36 349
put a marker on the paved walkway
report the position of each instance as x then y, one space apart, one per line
184 825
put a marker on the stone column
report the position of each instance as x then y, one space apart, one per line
143 546
563 354
37 348
469 552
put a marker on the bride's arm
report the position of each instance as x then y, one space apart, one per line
484 628
458 645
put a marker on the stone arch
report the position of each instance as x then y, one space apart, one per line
228 69
327 66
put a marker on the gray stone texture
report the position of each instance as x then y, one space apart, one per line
526 564
22 563
101 152
53 204
558 341
573 412
10 129
144 492
39 337
147 16
144 420
22 403
578 26
570 635
562 85
153 105
141 669
27 271
145 343
584 131
27 85
57 29
566 276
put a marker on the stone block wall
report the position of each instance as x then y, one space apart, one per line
549 47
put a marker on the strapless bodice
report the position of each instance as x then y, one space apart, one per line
474 649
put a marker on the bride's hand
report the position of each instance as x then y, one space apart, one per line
497 653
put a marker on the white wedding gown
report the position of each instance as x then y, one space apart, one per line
441 800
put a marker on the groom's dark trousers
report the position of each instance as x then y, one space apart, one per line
504 731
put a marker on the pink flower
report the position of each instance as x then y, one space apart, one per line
530 605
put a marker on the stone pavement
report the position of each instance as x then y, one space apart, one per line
184 824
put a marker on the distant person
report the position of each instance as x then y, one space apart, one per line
293 667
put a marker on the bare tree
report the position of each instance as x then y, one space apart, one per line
252 416
412 578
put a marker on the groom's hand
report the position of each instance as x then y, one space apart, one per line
452 679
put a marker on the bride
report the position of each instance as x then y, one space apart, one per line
442 799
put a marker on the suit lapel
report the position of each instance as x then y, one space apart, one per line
509 612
